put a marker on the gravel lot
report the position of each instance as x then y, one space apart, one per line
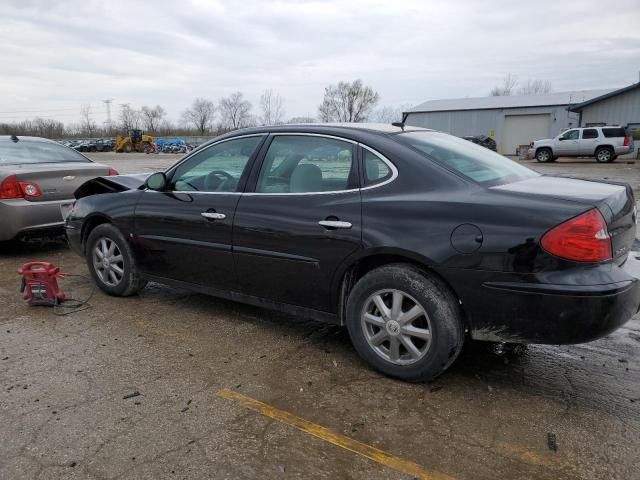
69 409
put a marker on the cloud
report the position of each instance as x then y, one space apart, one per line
56 56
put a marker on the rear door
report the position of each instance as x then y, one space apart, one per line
589 141
300 221
184 232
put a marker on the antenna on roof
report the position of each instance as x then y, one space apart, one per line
14 139
399 124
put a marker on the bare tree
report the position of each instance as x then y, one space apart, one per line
201 115
302 120
152 117
347 102
86 122
129 118
235 112
535 87
271 105
388 113
509 83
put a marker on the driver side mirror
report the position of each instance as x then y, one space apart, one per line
156 181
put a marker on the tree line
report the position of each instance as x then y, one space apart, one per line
343 102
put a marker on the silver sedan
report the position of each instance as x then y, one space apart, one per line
38 176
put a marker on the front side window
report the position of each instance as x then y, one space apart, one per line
472 161
306 164
589 133
217 168
29 152
570 135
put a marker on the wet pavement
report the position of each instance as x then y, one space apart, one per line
69 409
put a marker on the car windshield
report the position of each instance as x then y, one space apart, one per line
29 152
472 161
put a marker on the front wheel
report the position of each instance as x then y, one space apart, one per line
111 263
544 155
405 323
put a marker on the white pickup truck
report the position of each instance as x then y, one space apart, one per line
603 143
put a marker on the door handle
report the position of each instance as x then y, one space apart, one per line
334 224
213 215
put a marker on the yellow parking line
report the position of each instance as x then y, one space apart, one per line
359 448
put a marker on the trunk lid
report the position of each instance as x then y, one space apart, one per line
615 201
58 181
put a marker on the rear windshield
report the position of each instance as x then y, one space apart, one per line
614 132
28 151
472 161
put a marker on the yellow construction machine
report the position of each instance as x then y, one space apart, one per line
135 141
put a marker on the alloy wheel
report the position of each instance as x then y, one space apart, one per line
604 155
396 327
108 261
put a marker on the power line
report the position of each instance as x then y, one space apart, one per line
50 116
45 111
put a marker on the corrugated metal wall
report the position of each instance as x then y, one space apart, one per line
485 122
622 110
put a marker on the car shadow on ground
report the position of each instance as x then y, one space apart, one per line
16 248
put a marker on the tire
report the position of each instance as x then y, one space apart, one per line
604 154
110 281
440 318
544 155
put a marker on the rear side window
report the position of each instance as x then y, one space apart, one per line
614 132
306 164
30 152
375 169
589 133
472 161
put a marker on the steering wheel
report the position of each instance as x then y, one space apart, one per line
222 177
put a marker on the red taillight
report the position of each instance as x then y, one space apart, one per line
12 188
581 239
113 171
627 141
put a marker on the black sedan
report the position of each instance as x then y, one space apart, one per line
411 238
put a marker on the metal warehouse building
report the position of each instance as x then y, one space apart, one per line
620 107
510 120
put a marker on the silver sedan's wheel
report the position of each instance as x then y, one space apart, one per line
108 262
396 327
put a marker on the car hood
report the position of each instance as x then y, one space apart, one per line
111 184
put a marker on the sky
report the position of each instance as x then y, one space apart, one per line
57 56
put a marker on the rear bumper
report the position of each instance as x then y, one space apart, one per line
20 217
555 313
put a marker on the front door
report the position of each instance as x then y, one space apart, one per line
302 221
184 233
567 143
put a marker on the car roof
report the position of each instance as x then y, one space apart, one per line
30 139
329 128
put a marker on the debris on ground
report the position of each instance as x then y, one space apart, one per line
552 442
131 395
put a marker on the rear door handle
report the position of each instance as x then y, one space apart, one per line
334 224
213 215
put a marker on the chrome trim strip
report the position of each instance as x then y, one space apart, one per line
389 163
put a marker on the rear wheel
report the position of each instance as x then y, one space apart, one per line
404 322
604 154
544 155
111 263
